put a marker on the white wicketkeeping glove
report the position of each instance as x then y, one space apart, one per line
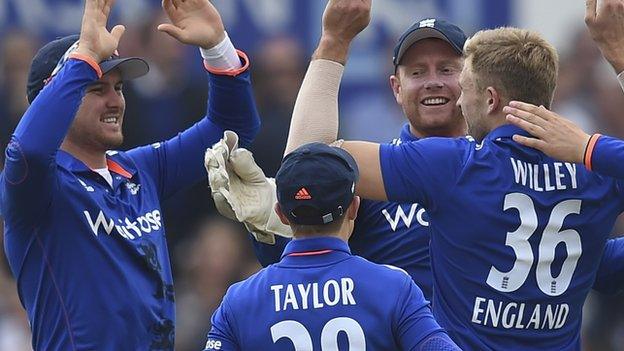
241 191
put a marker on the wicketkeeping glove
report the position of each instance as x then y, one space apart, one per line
241 191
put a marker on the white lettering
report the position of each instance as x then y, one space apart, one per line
547 185
347 287
559 175
508 322
510 315
125 227
290 298
99 221
535 317
305 296
477 310
400 215
326 292
520 171
304 292
276 290
572 169
538 176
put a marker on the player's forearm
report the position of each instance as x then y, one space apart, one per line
605 155
231 104
46 122
315 115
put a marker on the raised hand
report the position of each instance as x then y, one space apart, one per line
342 21
95 40
553 135
193 22
605 22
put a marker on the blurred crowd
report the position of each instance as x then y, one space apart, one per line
209 252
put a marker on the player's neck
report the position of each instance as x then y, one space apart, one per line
452 131
91 158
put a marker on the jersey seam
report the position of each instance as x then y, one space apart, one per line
56 288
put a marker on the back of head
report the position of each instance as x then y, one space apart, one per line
520 63
315 188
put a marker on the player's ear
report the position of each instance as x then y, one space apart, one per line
395 84
281 214
493 100
352 211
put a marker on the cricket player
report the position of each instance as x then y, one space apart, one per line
320 296
516 237
84 233
428 60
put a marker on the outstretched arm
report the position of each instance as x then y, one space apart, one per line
176 163
315 116
606 26
30 167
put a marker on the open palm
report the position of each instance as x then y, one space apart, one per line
95 40
193 22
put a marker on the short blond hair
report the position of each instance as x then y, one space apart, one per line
518 62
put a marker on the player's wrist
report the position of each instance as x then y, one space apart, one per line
615 57
222 56
332 48
588 150
87 52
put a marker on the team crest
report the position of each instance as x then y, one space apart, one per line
134 188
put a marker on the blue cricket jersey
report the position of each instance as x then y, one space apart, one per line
610 276
91 260
385 232
321 297
516 237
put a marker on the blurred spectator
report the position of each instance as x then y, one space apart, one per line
216 257
16 51
167 99
278 70
372 113
577 84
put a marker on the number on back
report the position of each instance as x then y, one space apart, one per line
552 236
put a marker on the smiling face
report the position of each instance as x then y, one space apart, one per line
97 125
426 86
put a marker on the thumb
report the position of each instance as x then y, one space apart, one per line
172 30
244 165
118 31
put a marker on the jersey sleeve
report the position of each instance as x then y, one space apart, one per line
269 254
222 335
178 163
603 157
414 321
29 175
418 171
610 276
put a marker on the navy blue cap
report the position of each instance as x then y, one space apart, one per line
52 56
429 28
316 184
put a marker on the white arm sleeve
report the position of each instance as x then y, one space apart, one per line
315 115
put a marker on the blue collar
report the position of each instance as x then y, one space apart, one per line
406 134
114 162
506 131
315 249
